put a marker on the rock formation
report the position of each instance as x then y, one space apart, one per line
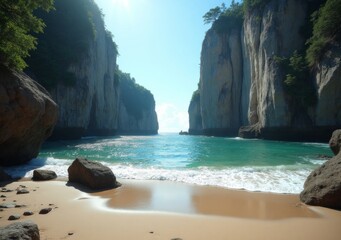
92 174
242 81
137 108
87 93
43 175
323 185
28 115
20 230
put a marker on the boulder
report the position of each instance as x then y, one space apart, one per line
4 176
27 117
43 175
323 185
335 141
92 174
20 231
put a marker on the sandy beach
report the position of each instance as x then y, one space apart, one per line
166 210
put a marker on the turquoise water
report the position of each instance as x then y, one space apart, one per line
255 165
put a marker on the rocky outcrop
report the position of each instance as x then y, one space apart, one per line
220 82
145 124
242 82
328 75
28 116
21 231
92 174
323 185
43 175
335 142
194 112
91 105
137 114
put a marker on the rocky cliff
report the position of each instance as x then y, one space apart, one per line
244 83
137 114
80 65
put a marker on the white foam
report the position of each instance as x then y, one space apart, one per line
278 179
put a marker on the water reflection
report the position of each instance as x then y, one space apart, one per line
188 199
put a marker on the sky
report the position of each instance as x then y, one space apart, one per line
159 44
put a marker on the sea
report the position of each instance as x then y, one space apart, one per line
254 165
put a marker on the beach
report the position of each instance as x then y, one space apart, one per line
166 210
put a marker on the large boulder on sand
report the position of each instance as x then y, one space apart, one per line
43 175
20 231
92 174
335 141
323 185
27 117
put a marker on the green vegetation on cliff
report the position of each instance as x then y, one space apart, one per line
225 19
17 22
68 35
134 97
326 30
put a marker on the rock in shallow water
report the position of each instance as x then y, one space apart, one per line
323 185
335 141
92 174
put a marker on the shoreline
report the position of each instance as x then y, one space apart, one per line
126 212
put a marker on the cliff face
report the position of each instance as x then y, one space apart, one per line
137 114
220 82
194 112
242 83
146 124
91 105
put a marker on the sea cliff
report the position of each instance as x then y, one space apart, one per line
78 68
245 86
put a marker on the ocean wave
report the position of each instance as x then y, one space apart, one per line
277 179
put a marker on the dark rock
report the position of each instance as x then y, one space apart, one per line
27 117
43 175
45 210
323 185
335 141
91 174
20 205
7 205
3 175
14 217
28 213
3 196
20 231
23 191
6 190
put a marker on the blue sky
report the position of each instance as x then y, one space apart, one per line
159 42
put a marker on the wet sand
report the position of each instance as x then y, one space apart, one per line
165 210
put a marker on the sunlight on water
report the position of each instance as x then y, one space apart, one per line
255 165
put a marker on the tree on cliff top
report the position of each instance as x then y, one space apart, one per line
224 19
17 21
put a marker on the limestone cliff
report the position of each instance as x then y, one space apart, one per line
194 112
220 82
137 114
81 66
242 84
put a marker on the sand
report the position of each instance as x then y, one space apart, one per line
163 210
